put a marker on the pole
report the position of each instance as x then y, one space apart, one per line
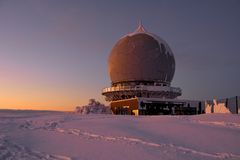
236 104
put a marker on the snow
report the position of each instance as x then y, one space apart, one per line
220 107
71 136
140 30
93 107
216 107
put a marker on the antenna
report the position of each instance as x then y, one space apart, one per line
140 27
140 23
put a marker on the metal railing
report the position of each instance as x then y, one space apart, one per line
142 88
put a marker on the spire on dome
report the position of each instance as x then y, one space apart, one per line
140 28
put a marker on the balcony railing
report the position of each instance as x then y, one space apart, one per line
142 88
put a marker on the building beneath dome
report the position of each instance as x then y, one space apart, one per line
141 66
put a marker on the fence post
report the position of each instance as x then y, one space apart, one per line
226 104
236 104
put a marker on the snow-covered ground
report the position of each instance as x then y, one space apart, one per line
69 136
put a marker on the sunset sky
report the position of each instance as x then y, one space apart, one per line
53 53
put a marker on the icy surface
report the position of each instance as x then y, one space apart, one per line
71 136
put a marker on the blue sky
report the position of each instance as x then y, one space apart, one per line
53 54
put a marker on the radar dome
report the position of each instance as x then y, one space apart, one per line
141 56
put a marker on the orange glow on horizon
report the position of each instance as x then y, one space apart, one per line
41 97
47 108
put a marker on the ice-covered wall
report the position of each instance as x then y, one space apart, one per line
227 105
220 107
216 107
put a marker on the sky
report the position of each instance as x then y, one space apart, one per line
53 53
